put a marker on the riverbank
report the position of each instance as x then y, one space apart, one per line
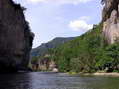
101 73
113 74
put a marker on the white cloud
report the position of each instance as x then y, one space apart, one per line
80 25
59 1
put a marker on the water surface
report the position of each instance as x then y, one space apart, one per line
42 80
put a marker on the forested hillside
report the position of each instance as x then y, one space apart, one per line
44 48
87 53
96 50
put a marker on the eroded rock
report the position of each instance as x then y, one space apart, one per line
109 6
111 21
15 37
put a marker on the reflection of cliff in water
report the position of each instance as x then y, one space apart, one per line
15 81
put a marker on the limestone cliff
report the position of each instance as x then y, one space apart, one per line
15 37
110 18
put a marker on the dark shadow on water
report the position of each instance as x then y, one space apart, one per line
15 81
46 80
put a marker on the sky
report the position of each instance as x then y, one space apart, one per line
60 18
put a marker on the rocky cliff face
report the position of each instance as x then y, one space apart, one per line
110 18
15 37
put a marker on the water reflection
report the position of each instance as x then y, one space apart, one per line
15 81
40 80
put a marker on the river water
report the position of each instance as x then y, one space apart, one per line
42 80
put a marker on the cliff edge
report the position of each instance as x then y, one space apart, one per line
15 37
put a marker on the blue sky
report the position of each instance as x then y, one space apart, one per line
60 18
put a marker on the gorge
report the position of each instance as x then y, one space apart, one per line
88 61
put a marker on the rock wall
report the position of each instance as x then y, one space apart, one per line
109 6
15 37
110 19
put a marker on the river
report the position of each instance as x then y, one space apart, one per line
44 80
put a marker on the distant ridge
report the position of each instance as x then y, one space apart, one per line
43 48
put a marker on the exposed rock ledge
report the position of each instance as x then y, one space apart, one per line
110 19
15 37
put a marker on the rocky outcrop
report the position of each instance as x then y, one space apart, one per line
45 64
15 37
109 6
110 20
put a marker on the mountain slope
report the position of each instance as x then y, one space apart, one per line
79 54
43 48
87 53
